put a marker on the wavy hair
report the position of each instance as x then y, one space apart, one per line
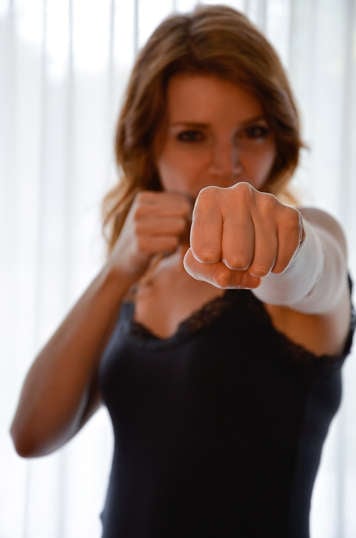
214 40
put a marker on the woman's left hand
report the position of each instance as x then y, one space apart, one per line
239 235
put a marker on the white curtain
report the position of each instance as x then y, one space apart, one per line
63 67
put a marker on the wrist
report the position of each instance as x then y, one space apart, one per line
312 281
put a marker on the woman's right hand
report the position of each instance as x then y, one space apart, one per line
155 224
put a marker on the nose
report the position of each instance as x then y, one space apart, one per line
225 164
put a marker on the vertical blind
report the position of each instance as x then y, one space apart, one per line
64 65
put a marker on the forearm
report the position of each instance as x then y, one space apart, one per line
315 280
55 390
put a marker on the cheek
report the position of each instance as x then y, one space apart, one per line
178 170
167 174
259 165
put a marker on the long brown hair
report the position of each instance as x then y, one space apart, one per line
217 40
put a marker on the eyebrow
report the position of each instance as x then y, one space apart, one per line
200 125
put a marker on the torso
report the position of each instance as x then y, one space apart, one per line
168 295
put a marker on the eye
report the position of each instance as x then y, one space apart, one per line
256 131
190 135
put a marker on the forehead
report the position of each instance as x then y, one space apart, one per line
199 98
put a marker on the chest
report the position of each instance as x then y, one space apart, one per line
163 303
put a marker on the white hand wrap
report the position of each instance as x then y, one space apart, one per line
315 278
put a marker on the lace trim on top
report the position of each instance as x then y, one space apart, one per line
203 317
214 309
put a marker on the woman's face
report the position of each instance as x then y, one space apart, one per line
214 133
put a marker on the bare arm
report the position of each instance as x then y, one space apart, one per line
59 393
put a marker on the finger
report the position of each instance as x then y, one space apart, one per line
218 274
266 245
153 225
206 229
238 239
165 203
150 245
288 235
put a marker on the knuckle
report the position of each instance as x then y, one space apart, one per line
208 190
237 260
244 190
205 255
259 270
267 202
290 219
207 193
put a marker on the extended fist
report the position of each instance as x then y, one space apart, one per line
239 235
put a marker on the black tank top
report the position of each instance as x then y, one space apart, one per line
218 430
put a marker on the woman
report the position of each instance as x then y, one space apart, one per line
216 330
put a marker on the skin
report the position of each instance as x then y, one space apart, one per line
214 141
214 146
213 163
214 133
217 147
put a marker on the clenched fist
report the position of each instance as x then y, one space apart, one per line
156 224
239 234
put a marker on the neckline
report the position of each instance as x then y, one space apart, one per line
198 321
146 338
